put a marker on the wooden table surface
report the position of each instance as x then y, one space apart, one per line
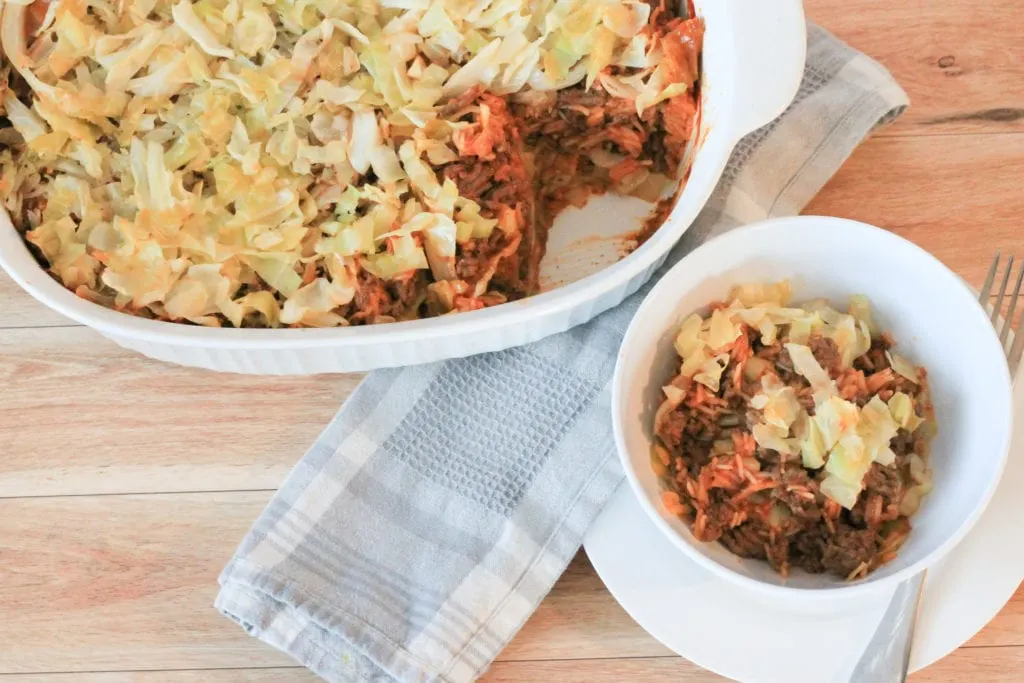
125 484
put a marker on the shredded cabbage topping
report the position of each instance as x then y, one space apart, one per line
290 163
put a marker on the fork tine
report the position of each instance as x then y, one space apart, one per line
1008 323
997 305
986 289
1017 350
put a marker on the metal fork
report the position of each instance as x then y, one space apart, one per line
886 659
1013 354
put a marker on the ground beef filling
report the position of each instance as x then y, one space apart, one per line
788 521
526 157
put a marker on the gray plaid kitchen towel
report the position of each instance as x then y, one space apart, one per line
437 509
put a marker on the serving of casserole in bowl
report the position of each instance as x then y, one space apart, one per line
812 408
315 187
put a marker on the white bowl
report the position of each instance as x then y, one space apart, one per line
936 322
752 66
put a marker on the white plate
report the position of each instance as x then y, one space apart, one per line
752 639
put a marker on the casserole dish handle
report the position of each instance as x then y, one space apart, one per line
770 48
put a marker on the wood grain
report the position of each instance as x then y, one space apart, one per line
86 416
118 588
126 582
958 197
961 61
18 309
992 665
266 675
121 583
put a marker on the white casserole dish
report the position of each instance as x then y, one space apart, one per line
752 66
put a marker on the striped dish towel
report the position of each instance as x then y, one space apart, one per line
437 509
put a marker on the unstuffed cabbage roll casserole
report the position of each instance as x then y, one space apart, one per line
329 162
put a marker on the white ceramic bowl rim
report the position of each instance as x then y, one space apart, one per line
965 297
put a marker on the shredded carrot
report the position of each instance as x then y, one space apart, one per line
623 169
713 400
744 444
467 303
752 489
629 140
737 375
699 396
34 17
309 273
879 379
741 350
674 506
852 384
723 480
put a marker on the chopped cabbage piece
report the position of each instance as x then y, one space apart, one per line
186 18
876 426
722 330
807 365
774 439
687 341
279 273
842 492
313 303
903 367
777 293
802 329
710 372
902 408
835 418
812 447
860 308
849 460
777 402
849 339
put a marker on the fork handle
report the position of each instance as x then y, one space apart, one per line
886 659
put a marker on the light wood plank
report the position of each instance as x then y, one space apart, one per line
268 675
18 309
122 583
958 197
580 619
992 665
959 60
200 430
95 583
79 414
